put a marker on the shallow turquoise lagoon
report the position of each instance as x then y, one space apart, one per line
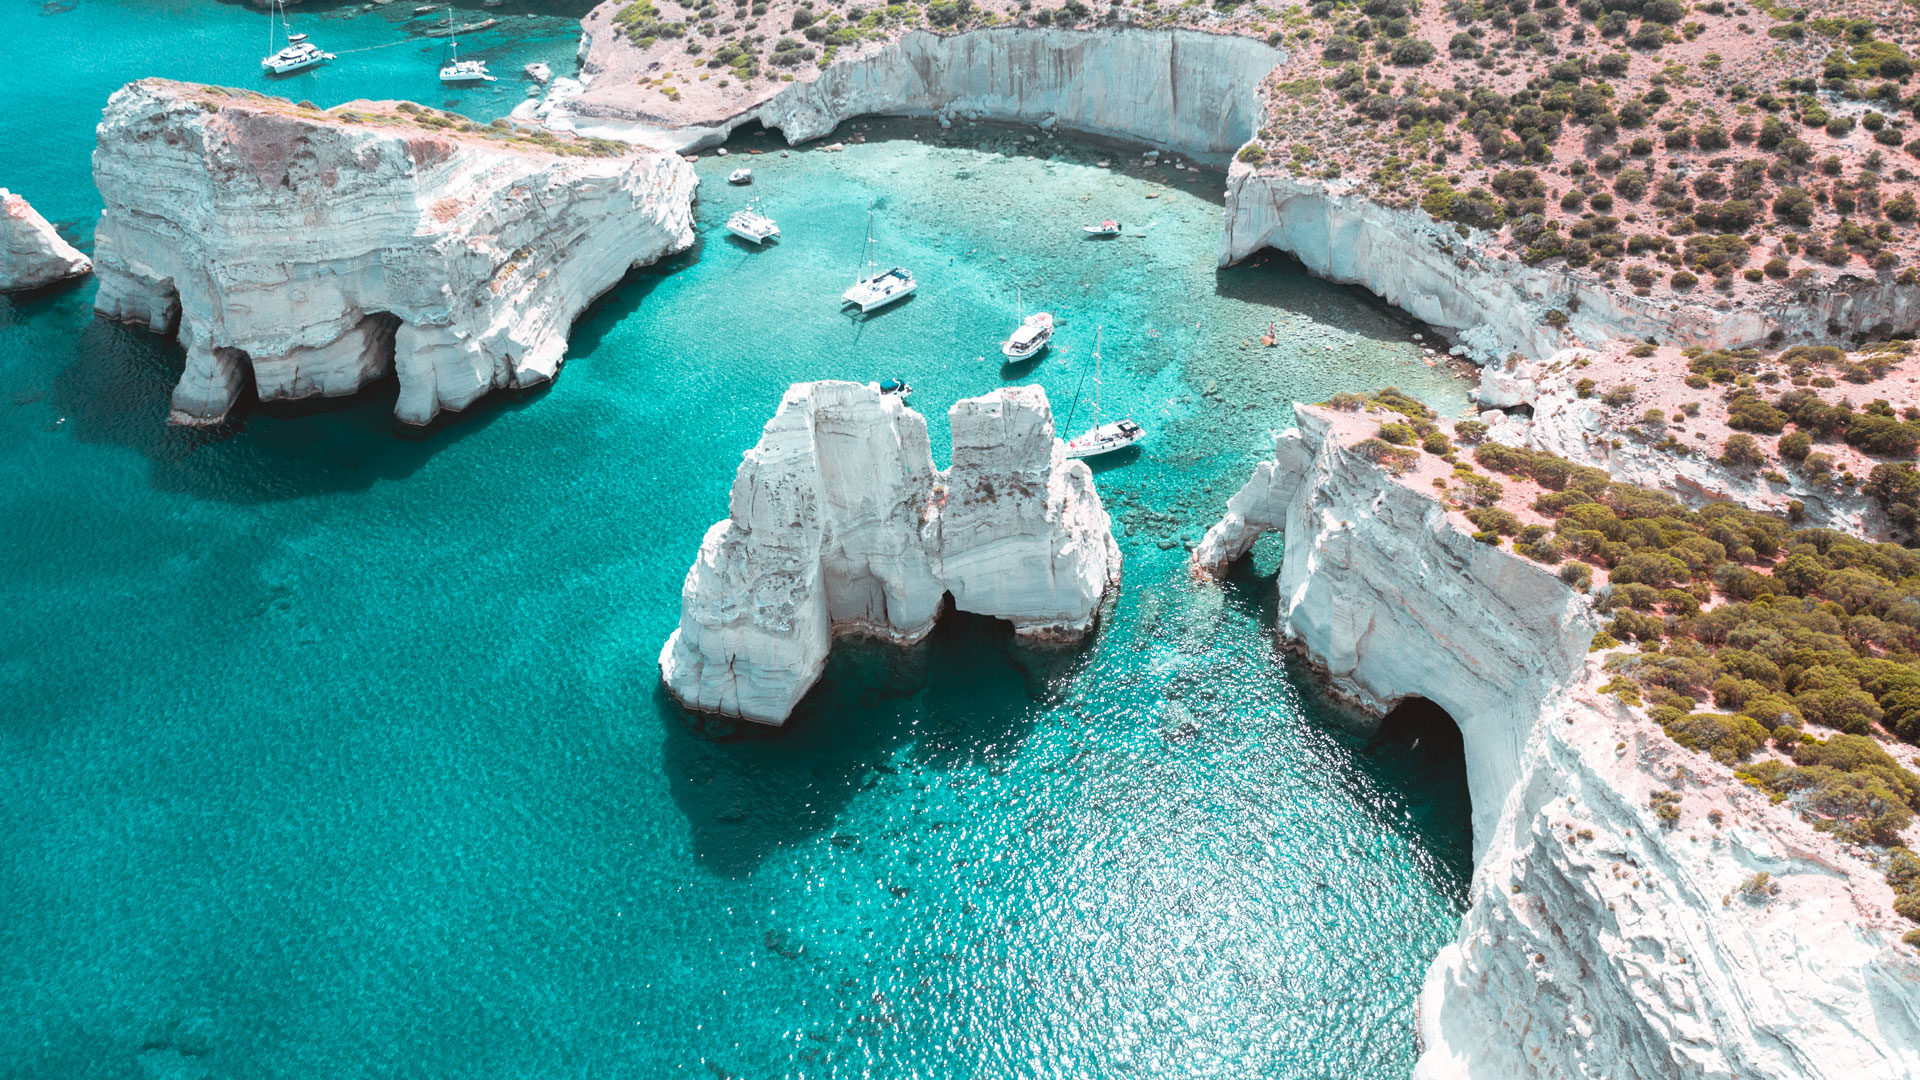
332 750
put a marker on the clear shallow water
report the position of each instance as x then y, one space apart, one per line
337 751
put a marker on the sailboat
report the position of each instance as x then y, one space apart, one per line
457 70
1102 438
752 226
299 53
877 290
1030 337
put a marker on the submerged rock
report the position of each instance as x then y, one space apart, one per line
32 255
839 523
315 252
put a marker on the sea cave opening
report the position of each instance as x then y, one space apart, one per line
1419 743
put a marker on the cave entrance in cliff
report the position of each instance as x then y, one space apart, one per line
1420 747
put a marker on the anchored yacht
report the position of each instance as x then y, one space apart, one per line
299 53
876 290
1102 438
457 70
1030 338
752 226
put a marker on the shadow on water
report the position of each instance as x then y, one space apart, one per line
1277 279
964 697
118 381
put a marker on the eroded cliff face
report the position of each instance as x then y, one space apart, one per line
313 255
838 523
1182 90
1599 942
1495 306
1381 591
32 255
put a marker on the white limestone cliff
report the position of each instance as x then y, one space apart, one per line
32 255
312 254
1598 944
839 523
1184 90
1494 305
1379 589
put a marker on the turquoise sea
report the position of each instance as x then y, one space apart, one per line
336 750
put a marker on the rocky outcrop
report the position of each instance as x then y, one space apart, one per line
838 523
32 255
314 252
1381 591
1183 90
1561 422
1599 942
1494 305
1602 942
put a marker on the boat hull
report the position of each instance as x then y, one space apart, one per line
272 67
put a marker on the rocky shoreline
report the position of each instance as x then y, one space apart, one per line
308 252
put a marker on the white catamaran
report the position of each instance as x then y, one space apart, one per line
877 290
299 53
752 226
1102 438
457 70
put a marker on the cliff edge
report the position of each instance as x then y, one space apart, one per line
313 252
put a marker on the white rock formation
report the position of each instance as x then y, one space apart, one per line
1496 305
1598 944
838 523
1194 92
1565 424
1380 590
32 255
314 255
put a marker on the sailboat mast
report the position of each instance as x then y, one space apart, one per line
1096 379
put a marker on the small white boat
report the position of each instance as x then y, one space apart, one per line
740 176
1105 228
1102 438
299 53
1030 338
752 226
878 290
1105 439
457 70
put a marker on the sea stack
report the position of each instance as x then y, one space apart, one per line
313 252
32 255
839 523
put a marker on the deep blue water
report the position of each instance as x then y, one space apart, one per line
334 750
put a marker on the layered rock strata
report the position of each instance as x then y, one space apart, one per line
1493 305
312 252
32 255
1380 590
1184 90
839 523
1600 942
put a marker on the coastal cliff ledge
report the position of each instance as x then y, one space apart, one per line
838 523
32 254
312 252
1657 892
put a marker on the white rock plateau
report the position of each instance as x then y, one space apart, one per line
314 255
32 255
839 523
1598 944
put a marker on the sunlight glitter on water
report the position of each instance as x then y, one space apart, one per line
338 751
